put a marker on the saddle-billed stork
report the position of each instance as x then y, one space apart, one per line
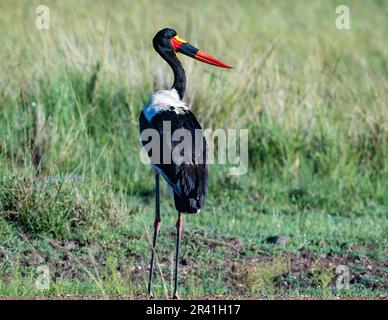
187 179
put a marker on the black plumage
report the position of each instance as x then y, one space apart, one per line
188 180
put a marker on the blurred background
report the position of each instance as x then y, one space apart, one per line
75 198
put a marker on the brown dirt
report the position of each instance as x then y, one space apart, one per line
240 258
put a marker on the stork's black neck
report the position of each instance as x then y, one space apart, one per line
179 78
179 74
163 46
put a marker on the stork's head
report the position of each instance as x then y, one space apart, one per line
167 43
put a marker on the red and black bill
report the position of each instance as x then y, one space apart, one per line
182 46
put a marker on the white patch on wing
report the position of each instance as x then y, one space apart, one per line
163 100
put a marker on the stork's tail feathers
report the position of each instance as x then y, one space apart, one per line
189 205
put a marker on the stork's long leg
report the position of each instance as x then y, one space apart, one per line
156 231
178 238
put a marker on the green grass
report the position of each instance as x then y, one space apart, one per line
75 197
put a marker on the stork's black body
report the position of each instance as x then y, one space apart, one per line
187 179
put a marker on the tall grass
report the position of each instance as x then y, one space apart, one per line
311 94
313 97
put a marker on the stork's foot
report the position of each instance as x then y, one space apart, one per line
176 297
151 296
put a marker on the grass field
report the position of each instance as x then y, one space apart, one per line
75 198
